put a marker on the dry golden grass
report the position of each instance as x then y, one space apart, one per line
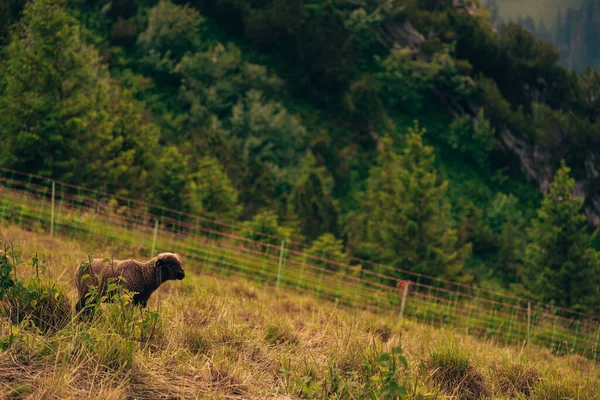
222 337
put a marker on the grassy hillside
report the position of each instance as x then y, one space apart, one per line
322 270
215 337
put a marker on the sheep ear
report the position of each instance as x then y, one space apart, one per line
158 263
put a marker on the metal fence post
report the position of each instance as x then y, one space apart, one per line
403 303
596 345
528 322
576 333
301 276
154 238
280 264
52 212
554 332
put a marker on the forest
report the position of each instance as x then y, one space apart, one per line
416 133
574 30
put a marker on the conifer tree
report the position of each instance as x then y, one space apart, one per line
560 265
62 115
407 211
312 201
211 192
51 85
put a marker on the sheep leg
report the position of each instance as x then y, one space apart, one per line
140 301
82 310
79 305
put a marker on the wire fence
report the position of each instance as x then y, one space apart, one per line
126 225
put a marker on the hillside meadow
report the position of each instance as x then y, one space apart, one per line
220 337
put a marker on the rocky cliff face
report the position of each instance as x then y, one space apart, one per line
538 162
539 165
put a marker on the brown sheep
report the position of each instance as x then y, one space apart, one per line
142 278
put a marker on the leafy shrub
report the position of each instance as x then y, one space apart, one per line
264 226
39 301
170 179
474 139
384 376
268 132
214 80
172 31
211 193
6 269
312 200
330 248
406 80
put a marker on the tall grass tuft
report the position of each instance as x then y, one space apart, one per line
515 378
455 373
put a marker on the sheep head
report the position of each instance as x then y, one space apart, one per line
170 266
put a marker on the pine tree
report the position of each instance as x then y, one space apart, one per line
407 211
560 265
312 201
172 32
51 85
211 193
62 115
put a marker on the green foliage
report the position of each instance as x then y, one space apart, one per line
560 265
213 81
378 378
264 226
130 173
37 302
217 103
384 376
407 80
406 213
499 110
171 178
363 22
9 14
211 193
267 133
312 201
507 226
329 247
363 101
6 269
328 63
63 115
50 95
274 22
172 32
472 138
